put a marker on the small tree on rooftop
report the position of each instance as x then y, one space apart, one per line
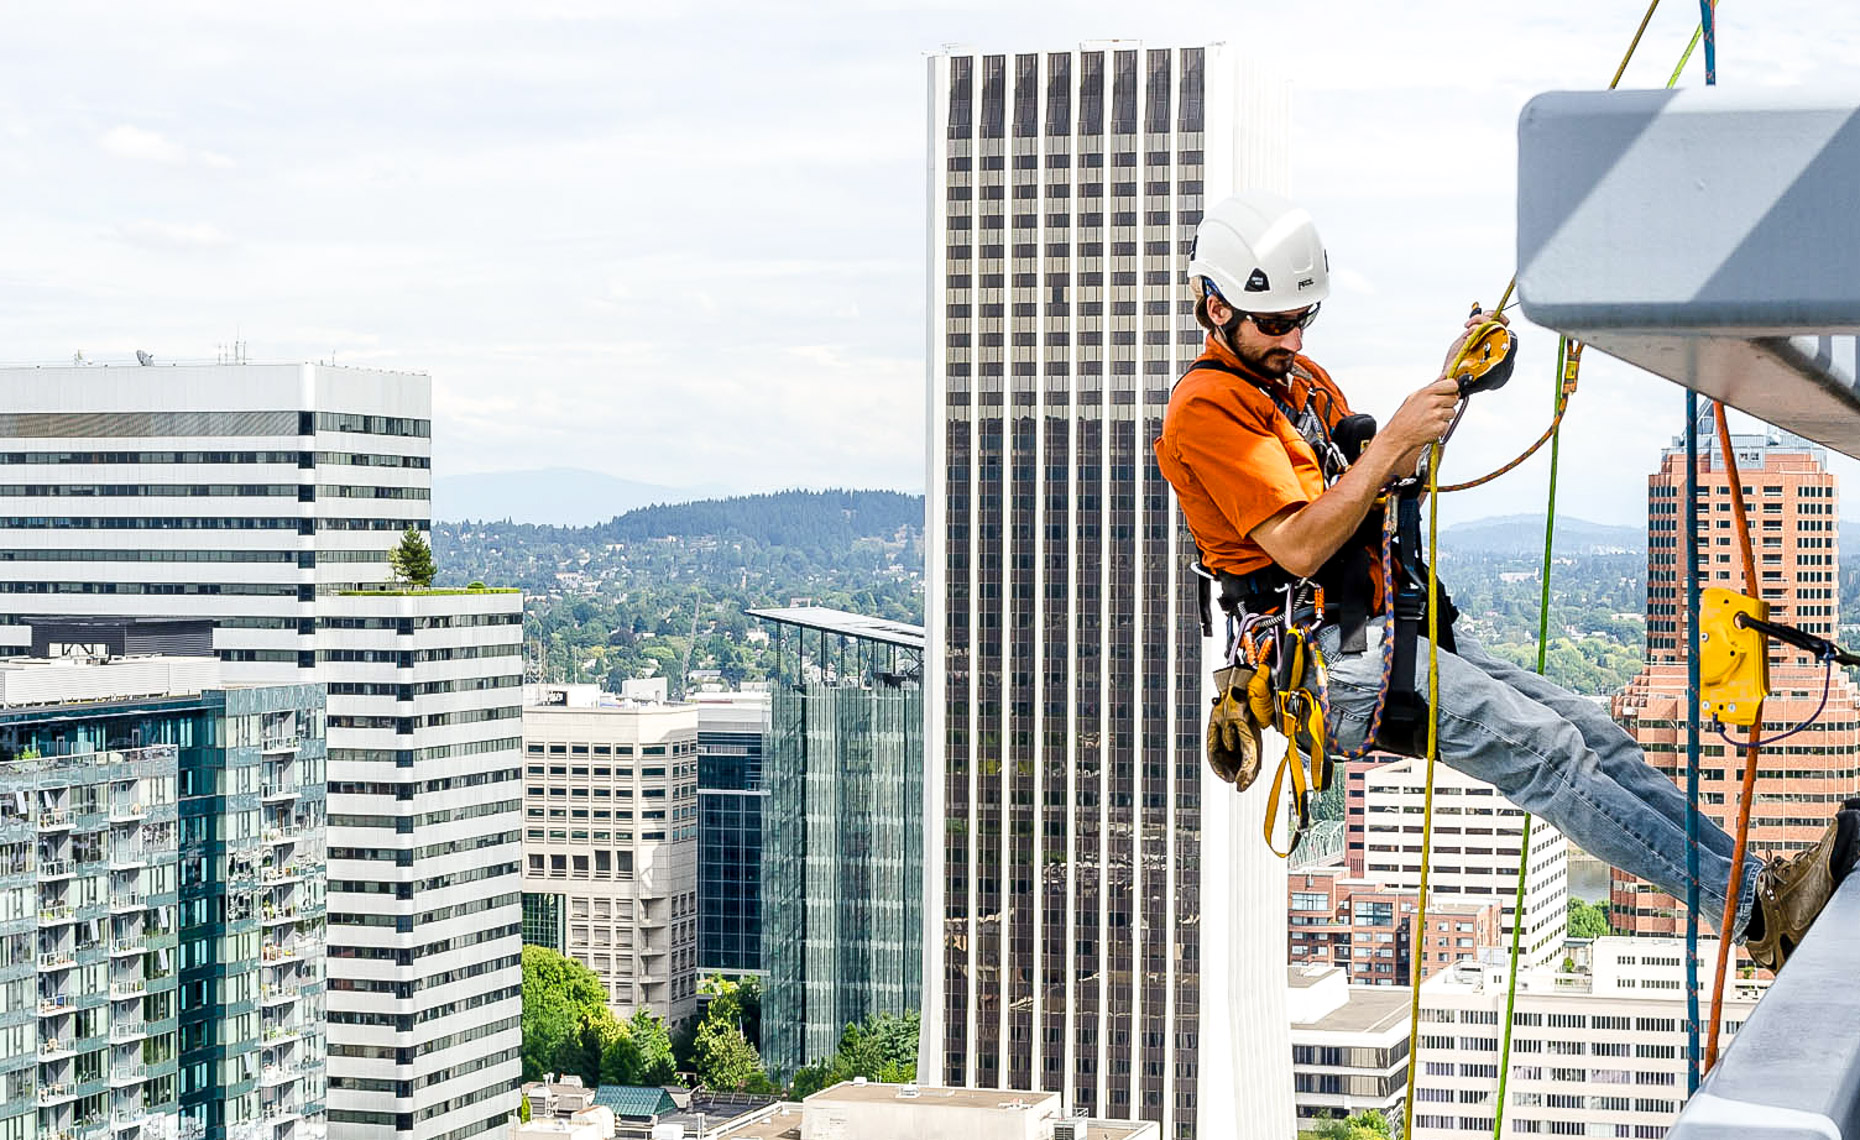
412 560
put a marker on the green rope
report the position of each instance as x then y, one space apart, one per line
1698 34
1524 851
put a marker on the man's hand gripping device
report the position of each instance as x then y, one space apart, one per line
1484 364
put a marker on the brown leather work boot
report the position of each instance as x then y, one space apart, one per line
1791 891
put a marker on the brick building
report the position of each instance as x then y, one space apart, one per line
1368 929
1793 505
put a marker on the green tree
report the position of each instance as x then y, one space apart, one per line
1369 1125
1587 920
565 1016
723 1059
620 1061
882 1048
735 1003
749 999
654 1043
719 1051
412 560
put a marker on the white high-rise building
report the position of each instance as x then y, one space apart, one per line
239 493
425 849
262 497
611 841
1102 918
1477 836
1600 1052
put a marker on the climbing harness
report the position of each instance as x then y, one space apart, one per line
1272 618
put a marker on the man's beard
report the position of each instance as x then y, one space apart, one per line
1272 363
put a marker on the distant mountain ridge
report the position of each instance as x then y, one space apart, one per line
1524 534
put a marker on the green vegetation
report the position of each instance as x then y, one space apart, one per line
1597 636
412 560
1367 1125
723 1055
1588 920
883 1048
661 591
568 1028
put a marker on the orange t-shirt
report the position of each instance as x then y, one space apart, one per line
1234 459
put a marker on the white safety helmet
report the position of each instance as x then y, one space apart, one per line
1261 253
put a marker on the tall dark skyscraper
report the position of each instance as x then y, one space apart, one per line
1070 880
732 736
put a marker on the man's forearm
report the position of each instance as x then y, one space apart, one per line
1302 540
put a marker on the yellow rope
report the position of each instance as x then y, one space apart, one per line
1418 947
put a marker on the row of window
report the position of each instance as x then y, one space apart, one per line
302 492
298 458
144 425
575 835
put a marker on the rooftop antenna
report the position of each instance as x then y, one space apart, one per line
143 358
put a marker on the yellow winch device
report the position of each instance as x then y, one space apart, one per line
1734 670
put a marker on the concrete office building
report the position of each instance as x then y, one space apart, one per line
1349 1045
610 840
1086 886
260 497
1478 834
732 744
1793 502
161 898
1596 1053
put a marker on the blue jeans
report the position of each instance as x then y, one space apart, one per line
1554 754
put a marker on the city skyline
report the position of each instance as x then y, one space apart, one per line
1095 920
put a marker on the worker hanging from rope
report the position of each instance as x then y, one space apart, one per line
1286 493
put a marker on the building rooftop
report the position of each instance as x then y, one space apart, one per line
37 681
845 623
784 1121
784 1124
1370 1009
634 1100
874 1092
1118 1129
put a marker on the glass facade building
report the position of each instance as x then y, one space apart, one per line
732 733
1067 888
843 833
161 914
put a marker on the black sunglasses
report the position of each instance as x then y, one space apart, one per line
1282 324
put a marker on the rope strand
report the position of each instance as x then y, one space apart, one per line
1728 927
1563 347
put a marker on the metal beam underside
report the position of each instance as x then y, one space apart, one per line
1709 237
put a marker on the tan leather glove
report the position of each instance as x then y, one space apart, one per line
1233 734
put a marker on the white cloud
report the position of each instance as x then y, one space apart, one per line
173 235
144 146
141 145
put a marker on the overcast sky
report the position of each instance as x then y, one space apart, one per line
683 243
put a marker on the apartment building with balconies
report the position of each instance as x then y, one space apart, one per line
161 902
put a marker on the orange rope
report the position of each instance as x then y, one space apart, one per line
1572 365
1732 892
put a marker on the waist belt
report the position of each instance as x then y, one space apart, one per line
1346 579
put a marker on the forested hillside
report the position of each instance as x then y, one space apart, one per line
662 590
